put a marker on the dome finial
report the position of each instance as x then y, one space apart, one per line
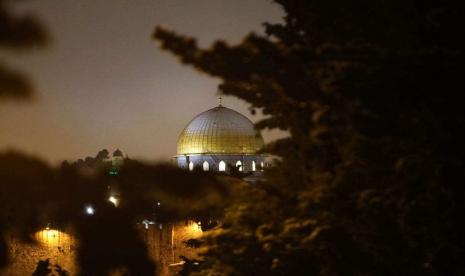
220 101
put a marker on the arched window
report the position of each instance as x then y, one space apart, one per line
191 166
222 166
253 166
239 166
262 165
206 166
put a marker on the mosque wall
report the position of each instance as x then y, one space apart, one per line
214 161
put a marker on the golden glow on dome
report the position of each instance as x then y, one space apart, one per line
219 130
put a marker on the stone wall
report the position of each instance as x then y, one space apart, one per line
165 244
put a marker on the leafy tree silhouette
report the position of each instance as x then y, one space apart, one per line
368 181
33 194
43 269
103 154
17 33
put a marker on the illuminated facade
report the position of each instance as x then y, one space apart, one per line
220 139
118 158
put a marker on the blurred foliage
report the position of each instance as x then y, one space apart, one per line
370 180
33 195
17 32
44 269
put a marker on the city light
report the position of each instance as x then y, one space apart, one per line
89 210
194 229
146 223
113 200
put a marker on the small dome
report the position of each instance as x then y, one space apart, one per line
117 153
219 130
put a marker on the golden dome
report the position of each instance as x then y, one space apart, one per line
219 130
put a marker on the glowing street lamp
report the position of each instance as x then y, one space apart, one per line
113 200
89 210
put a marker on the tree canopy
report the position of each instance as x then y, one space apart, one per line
17 32
34 195
370 177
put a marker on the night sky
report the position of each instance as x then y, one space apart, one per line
104 83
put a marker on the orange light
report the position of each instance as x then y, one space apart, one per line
113 200
51 237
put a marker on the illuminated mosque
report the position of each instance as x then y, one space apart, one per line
220 139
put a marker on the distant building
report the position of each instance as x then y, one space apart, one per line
220 139
117 159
